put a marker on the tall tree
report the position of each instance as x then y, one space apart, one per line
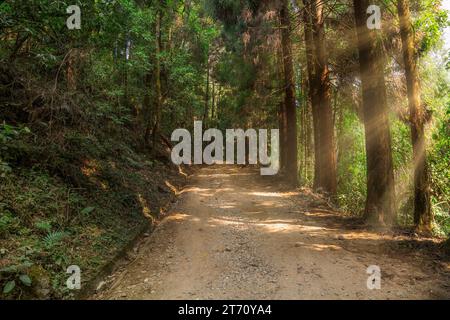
158 93
206 110
313 93
282 116
422 208
290 103
326 154
380 206
153 126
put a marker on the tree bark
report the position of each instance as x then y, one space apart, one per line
380 203
213 102
290 103
158 102
282 116
206 110
325 121
147 114
313 94
423 216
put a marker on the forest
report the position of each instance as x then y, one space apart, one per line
91 92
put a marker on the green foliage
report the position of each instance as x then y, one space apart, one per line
430 24
49 221
8 223
44 225
351 164
87 210
25 279
15 278
436 95
54 238
9 287
8 134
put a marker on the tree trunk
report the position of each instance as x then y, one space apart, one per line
147 106
206 111
313 93
422 208
158 98
380 203
282 117
309 142
213 102
290 103
325 120
283 135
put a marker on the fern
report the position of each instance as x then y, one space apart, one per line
53 238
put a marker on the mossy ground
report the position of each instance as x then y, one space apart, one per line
76 199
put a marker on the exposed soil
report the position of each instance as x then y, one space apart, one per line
236 235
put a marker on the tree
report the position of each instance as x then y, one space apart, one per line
158 93
313 94
380 202
325 167
208 73
289 87
282 116
422 207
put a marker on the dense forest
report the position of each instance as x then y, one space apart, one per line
89 99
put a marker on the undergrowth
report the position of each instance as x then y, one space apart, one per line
75 198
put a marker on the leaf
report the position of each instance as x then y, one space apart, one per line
54 238
87 210
9 269
25 279
9 286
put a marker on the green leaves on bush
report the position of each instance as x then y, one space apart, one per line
9 287
44 225
26 280
53 238
87 210
11 284
8 223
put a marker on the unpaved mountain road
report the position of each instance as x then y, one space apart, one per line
236 235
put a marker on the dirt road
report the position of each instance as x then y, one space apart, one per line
236 235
